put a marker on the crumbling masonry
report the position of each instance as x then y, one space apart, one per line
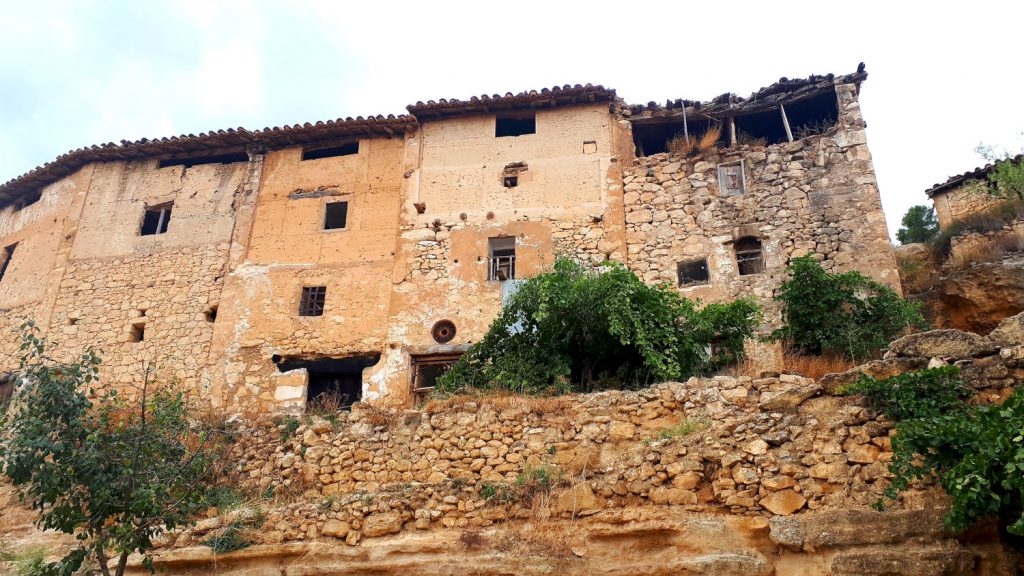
360 256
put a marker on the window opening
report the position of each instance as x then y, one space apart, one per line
731 180
6 389
694 272
761 129
749 256
197 160
27 200
335 215
137 333
515 124
330 151
313 300
426 369
333 384
156 219
211 314
814 115
656 137
8 255
501 258
511 181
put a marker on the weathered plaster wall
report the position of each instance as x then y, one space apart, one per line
972 197
288 249
43 232
568 201
165 284
815 195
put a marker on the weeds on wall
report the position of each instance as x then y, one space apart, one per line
848 314
579 329
976 452
681 145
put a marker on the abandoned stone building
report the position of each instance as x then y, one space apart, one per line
361 256
964 194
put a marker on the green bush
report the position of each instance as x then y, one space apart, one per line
844 314
976 452
580 329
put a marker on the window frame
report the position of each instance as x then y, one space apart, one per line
417 362
746 256
163 223
312 301
722 189
497 255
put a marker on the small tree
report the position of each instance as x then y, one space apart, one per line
577 328
1006 179
114 472
846 314
919 225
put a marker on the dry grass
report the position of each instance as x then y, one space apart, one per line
502 400
694 145
380 415
815 367
989 251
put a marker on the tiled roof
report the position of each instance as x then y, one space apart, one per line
976 174
545 98
206 143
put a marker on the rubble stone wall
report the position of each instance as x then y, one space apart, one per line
971 197
815 195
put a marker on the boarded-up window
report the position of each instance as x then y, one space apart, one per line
335 215
749 257
156 219
313 300
426 370
5 258
731 181
693 272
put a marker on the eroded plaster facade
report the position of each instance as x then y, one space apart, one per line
216 299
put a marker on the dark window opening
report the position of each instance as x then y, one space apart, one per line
313 300
761 129
156 219
511 181
515 124
657 138
137 333
749 257
6 390
731 179
694 272
330 151
501 258
426 370
211 314
7 255
197 160
335 215
815 115
27 200
333 384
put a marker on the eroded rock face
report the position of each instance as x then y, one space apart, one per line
942 344
978 297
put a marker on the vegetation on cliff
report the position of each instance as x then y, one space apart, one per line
114 471
580 329
976 452
844 314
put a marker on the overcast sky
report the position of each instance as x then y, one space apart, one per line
943 77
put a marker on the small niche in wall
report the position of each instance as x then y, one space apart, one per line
590 147
137 332
211 314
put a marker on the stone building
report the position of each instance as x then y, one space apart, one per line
361 256
964 194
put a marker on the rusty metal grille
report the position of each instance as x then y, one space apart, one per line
313 300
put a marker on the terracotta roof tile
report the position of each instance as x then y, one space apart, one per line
546 97
976 174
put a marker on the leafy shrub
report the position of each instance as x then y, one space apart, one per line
576 328
114 471
976 452
919 225
844 314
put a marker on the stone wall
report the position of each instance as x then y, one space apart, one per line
969 198
815 195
